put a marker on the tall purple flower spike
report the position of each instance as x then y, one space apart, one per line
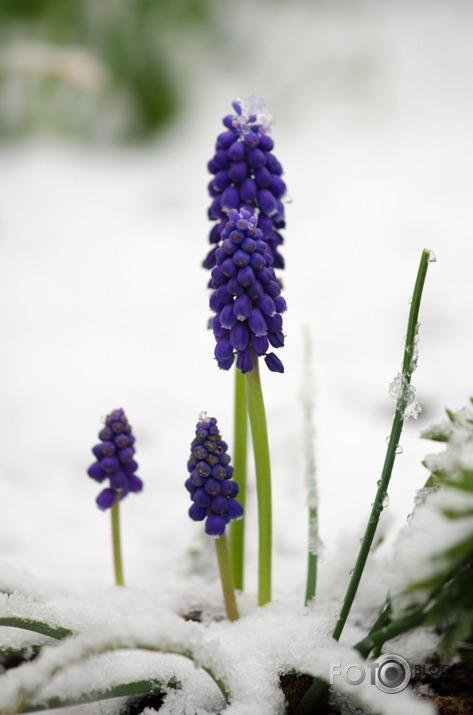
210 483
246 296
114 460
247 175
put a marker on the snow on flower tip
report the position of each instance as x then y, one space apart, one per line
210 484
246 296
247 174
115 460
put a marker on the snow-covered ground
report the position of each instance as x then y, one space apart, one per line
103 303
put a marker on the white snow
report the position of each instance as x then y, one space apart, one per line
103 305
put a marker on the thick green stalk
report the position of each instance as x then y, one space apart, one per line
117 550
259 434
240 449
226 577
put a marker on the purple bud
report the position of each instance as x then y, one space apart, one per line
219 504
257 322
266 202
197 513
259 344
202 497
110 464
276 339
96 472
234 287
248 190
262 177
266 305
118 480
242 306
239 336
246 276
235 509
225 140
244 361
255 289
280 303
274 363
241 258
236 151
265 142
227 317
106 499
125 454
215 525
221 180
223 349
256 158
238 172
230 198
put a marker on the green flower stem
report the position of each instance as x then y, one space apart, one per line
311 562
408 366
117 550
240 449
28 624
226 577
310 472
259 434
138 687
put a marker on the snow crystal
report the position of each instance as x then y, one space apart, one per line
254 110
403 393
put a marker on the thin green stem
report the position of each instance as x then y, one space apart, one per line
137 687
408 367
318 688
310 471
259 434
29 624
117 550
311 562
226 577
240 449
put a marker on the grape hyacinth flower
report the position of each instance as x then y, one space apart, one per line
246 296
115 462
210 484
247 175
213 491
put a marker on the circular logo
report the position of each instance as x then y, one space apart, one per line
392 673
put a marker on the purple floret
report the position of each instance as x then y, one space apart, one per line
246 296
247 175
211 488
114 461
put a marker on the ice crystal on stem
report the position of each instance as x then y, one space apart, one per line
403 393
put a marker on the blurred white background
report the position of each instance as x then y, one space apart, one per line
103 302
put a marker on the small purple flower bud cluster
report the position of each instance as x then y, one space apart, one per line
246 296
247 174
115 461
210 484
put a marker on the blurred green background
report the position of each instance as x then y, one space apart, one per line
109 71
